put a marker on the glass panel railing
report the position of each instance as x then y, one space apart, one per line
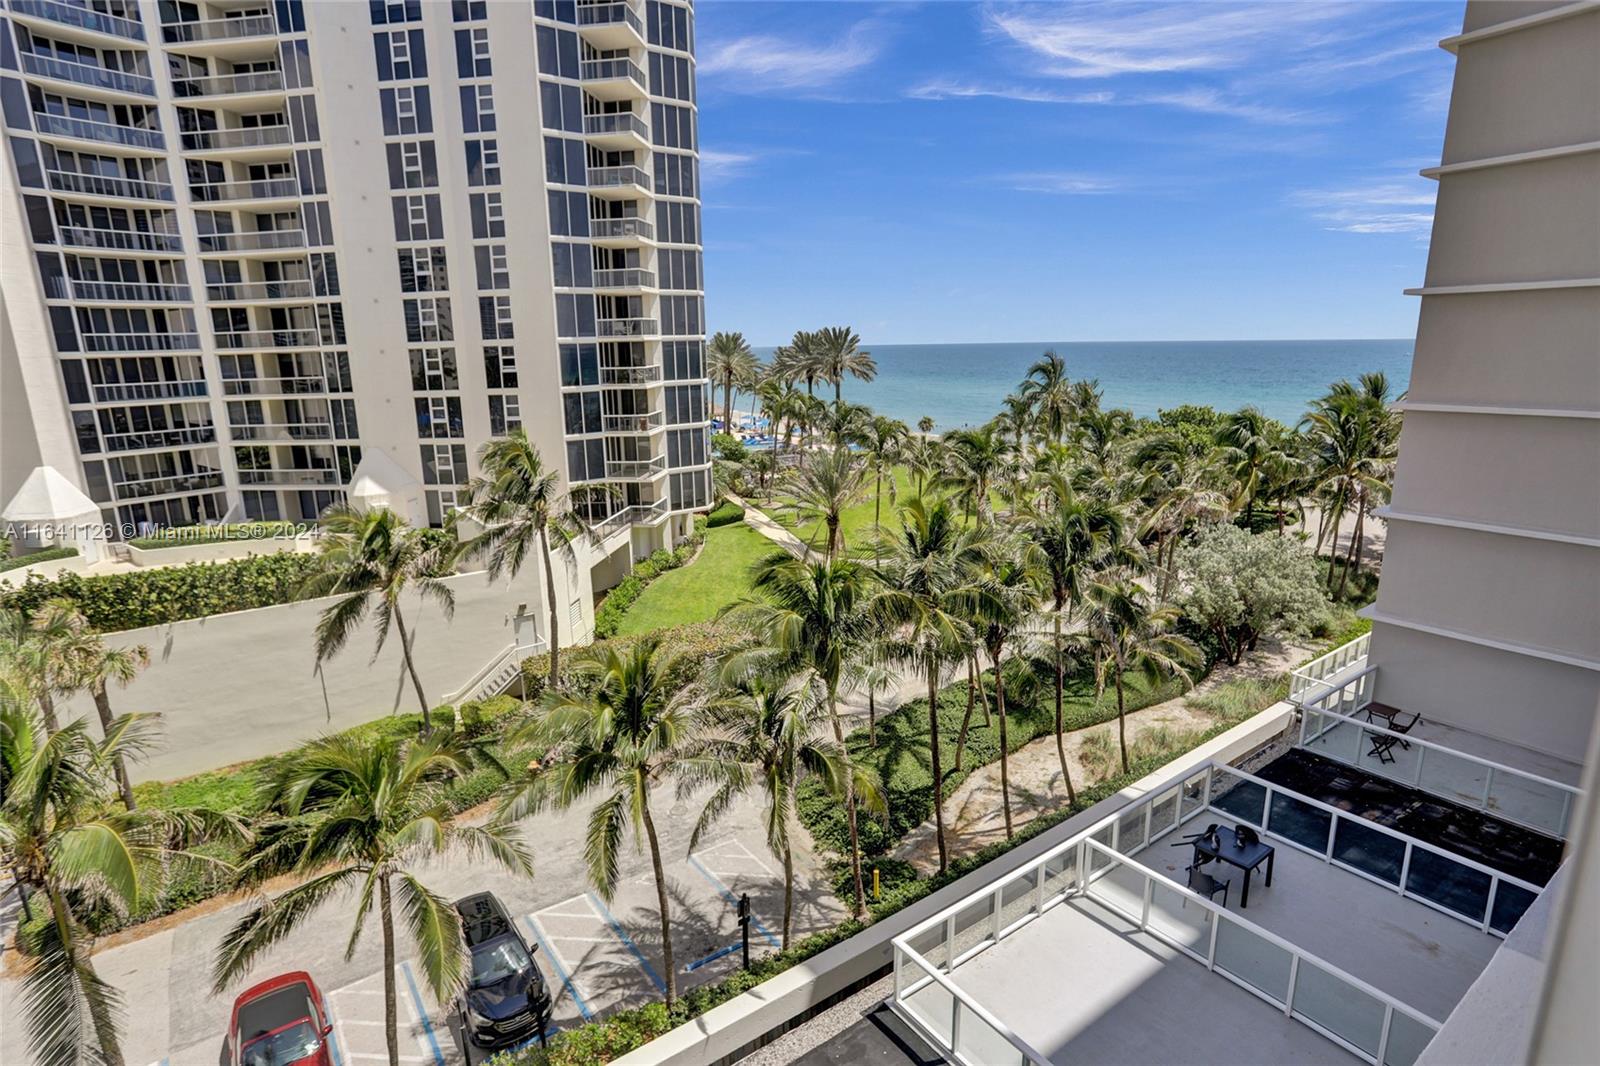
974 927
1299 821
980 1043
1449 884
1180 919
1060 874
1334 1005
1245 800
1099 860
1451 776
1373 853
930 944
1407 1038
1510 902
1253 960
1164 814
1017 898
1538 804
931 1005
1193 796
1130 830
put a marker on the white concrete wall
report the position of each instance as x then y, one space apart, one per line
219 551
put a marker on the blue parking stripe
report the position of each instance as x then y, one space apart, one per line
727 894
561 971
422 1012
333 1037
627 942
713 957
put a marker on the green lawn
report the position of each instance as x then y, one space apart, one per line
856 521
696 592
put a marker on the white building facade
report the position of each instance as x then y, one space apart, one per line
247 246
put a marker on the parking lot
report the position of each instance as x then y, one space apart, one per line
596 956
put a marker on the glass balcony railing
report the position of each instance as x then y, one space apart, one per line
160 438
285 431
628 278
223 29
610 14
618 228
613 177
81 17
83 129
642 422
120 239
635 469
116 291
140 342
163 486
288 477
627 327
268 189
259 81
69 181
251 240
275 338
95 77
626 122
612 70
259 290
275 386
149 390
244 137
629 375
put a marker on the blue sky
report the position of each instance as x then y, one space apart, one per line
1069 171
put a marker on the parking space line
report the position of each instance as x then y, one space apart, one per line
753 857
713 957
727 894
560 965
335 1038
422 1013
601 910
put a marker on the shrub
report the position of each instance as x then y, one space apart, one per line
696 645
608 616
728 448
1242 586
1234 701
42 556
115 602
726 514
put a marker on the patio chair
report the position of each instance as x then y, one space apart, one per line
1206 885
1193 840
1397 726
1382 743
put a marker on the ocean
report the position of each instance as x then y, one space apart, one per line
963 384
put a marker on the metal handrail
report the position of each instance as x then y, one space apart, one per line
149 390
610 14
230 291
614 177
120 239
621 227
607 69
140 342
958 996
238 137
85 129
627 327
1325 666
103 185
250 240
82 17
265 189
122 292
625 278
255 81
90 74
620 122
218 29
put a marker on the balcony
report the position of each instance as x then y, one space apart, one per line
140 342
253 83
637 514
627 327
315 429
273 338
644 422
219 30
149 390
250 241
116 291
625 181
275 386
628 278
159 438
88 75
243 139
288 477
77 17
621 232
69 181
121 240
239 191
636 469
610 26
100 133
144 488
630 375
256 292
613 79
621 131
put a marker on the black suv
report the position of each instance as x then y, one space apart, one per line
505 1001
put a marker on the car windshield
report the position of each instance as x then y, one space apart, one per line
289 1044
497 960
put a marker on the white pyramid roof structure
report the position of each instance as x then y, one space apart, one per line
47 496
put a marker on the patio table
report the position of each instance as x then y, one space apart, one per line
1246 858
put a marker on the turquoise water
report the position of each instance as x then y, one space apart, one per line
963 384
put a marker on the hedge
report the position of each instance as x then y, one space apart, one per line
726 513
181 536
41 556
114 602
696 645
608 616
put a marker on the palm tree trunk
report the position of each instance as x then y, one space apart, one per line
966 720
411 668
390 1021
550 594
1061 747
1352 559
858 908
1122 721
788 896
102 704
661 899
727 404
938 769
1005 768
872 717
47 708
105 1031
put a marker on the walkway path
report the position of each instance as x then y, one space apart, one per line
763 523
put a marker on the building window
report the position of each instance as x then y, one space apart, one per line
412 165
483 162
494 314
493 271
417 217
488 215
472 53
438 416
505 415
477 108
395 11
434 369
406 109
401 54
444 464
428 319
423 270
500 366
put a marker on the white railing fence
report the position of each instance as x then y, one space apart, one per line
1320 669
1329 727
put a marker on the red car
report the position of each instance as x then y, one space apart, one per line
280 1022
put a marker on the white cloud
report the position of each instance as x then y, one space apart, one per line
952 90
1212 102
1374 207
768 62
1202 100
1062 183
720 166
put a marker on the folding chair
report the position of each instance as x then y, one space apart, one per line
1381 745
1206 885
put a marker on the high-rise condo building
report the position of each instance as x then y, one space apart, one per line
260 257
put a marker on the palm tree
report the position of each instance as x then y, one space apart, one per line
765 736
370 559
44 652
518 502
924 608
886 440
622 737
924 458
365 814
730 362
67 841
1014 583
1178 490
1048 390
811 616
1016 415
845 423
1353 439
824 487
925 424
1130 636
839 353
1253 454
975 460
1073 537
96 667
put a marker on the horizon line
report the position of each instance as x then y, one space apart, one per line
1188 340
